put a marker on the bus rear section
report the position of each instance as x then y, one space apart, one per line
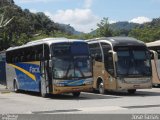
51 66
155 60
120 63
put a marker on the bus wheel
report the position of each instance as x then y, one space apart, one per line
15 86
132 91
101 88
76 94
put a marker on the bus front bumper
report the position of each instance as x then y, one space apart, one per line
64 89
132 83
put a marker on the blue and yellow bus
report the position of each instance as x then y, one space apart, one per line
50 66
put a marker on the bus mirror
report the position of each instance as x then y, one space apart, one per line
153 54
115 56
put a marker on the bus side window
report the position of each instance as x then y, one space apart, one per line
13 59
39 57
108 58
16 59
22 59
96 52
110 66
9 58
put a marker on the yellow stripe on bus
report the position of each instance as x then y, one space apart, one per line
34 62
24 71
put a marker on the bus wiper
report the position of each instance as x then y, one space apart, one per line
69 67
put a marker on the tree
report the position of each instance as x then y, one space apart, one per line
147 32
4 22
103 28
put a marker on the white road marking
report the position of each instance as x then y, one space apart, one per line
105 108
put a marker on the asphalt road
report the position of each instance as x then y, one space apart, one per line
145 101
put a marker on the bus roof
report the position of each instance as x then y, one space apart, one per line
118 41
155 43
48 41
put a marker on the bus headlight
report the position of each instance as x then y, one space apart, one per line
60 85
88 81
120 80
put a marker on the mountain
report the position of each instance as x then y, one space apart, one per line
147 32
118 26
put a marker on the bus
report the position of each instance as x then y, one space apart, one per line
50 66
120 64
2 68
154 47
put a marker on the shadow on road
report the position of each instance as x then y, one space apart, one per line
83 96
139 93
93 96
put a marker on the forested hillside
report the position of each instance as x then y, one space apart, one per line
147 32
27 26
123 28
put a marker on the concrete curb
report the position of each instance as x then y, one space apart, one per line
4 89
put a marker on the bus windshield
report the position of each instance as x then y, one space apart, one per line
71 61
133 61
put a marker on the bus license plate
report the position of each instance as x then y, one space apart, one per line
136 86
76 89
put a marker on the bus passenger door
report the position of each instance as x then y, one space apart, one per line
111 72
109 67
44 82
97 62
97 68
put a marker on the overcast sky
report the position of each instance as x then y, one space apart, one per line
84 15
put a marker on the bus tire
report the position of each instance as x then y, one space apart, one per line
131 91
101 88
76 94
15 86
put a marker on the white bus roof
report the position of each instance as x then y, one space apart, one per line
155 43
48 41
121 41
